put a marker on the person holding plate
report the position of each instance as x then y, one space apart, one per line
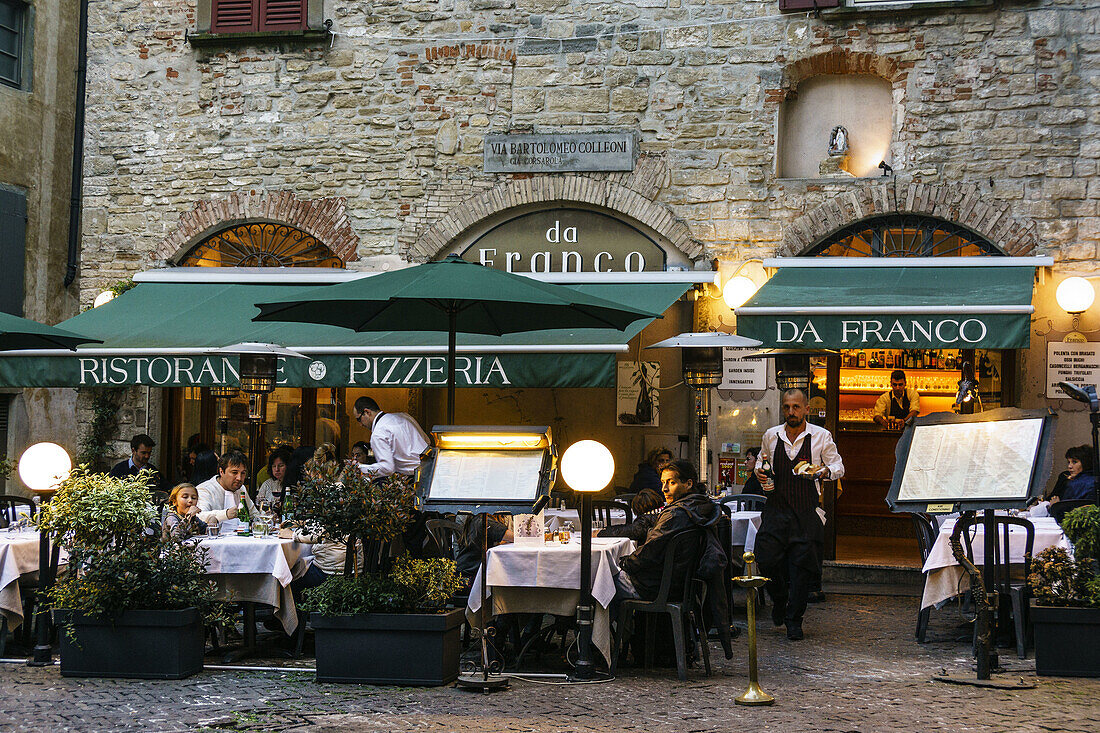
801 455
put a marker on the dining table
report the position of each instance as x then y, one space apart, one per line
744 525
18 565
545 577
555 519
944 578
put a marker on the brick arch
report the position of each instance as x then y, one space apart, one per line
962 204
631 195
839 61
325 219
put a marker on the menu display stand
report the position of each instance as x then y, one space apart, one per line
484 470
997 459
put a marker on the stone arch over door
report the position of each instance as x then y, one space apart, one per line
959 203
632 196
324 219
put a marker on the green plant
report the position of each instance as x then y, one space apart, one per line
7 466
1056 579
96 511
93 446
412 586
1082 527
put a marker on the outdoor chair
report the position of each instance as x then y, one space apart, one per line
1004 583
926 538
601 510
745 502
686 606
447 533
8 504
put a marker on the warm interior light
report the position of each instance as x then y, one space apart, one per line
490 441
587 465
1075 295
43 466
105 297
738 290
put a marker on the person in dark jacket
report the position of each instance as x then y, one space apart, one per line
1076 486
648 475
141 450
646 506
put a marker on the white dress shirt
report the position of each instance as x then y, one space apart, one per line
823 450
397 442
215 501
882 405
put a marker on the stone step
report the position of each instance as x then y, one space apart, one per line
856 576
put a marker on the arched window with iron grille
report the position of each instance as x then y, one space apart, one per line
903 235
261 244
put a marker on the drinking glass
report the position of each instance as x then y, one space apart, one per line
212 529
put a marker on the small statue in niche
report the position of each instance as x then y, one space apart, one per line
838 141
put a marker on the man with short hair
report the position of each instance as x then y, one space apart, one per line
899 405
395 439
790 526
141 450
220 495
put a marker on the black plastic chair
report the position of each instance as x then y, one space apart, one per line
445 533
601 510
1003 582
8 504
926 538
686 607
746 502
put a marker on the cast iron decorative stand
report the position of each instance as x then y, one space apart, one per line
488 679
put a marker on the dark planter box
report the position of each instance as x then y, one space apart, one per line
158 645
1066 640
389 649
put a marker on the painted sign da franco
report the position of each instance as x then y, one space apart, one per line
997 331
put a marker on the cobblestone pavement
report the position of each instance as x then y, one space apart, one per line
859 669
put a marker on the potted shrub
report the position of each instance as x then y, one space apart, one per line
1065 607
385 624
132 604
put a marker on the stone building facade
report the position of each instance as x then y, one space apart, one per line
369 132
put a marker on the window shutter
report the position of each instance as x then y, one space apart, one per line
13 250
235 16
807 4
282 15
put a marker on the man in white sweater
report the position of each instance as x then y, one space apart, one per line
221 494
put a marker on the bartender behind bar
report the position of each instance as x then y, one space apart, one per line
899 405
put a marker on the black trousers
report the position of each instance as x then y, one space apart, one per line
786 550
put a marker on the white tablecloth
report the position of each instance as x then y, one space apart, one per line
18 557
745 523
555 518
555 567
945 578
257 569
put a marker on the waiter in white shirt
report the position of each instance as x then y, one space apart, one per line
220 495
790 527
395 439
898 406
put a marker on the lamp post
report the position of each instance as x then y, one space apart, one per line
587 466
42 467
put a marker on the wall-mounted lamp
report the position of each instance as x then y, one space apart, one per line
1075 295
103 298
885 167
737 288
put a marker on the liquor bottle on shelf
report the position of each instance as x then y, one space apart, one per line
889 359
951 360
933 362
862 359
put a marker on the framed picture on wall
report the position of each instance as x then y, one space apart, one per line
637 399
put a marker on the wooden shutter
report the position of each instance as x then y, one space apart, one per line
235 16
13 250
807 4
282 15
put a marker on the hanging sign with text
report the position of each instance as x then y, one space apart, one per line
1074 363
739 373
560 153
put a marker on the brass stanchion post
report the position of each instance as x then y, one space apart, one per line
751 582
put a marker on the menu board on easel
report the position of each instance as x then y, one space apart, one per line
994 459
497 475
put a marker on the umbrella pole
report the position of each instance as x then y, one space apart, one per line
452 317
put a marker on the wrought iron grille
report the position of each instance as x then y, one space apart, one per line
904 235
261 244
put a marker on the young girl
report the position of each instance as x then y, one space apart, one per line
183 507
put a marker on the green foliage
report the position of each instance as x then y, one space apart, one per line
7 466
413 586
1056 579
93 446
336 503
1082 527
93 510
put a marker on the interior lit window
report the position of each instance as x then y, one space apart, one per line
261 244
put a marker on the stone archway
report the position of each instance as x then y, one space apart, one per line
631 195
324 219
959 203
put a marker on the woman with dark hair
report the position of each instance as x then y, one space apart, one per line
206 467
277 462
1076 486
360 453
294 467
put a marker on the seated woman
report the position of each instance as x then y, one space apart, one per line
1076 486
646 506
360 453
205 468
272 489
182 519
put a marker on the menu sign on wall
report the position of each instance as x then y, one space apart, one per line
610 151
1074 363
741 373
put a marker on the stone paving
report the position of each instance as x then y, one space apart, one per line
859 669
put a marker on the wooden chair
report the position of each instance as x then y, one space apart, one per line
8 503
1008 587
686 606
926 538
745 502
601 510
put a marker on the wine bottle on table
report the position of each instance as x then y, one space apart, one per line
244 516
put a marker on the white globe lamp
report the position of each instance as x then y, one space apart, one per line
587 466
737 291
43 466
1075 295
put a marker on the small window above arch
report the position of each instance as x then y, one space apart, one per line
903 235
261 244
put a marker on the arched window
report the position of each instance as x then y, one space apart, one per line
903 235
261 244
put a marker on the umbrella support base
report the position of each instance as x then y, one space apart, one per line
478 682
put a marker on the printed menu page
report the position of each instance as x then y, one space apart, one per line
507 475
971 461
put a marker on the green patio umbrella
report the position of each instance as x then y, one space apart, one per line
20 333
453 296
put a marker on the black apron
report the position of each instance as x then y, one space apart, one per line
899 411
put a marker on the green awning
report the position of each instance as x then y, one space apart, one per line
158 334
896 307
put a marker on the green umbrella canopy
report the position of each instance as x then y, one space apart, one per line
20 333
454 296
